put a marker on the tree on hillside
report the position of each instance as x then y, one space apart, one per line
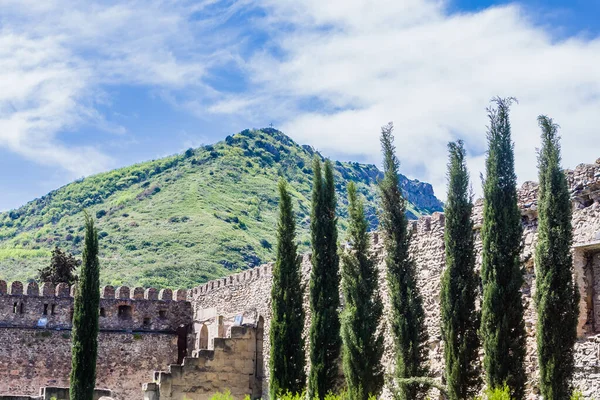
325 341
61 269
362 344
85 319
502 325
287 344
460 320
408 316
557 297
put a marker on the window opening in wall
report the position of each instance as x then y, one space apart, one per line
45 309
53 309
146 321
203 338
125 312
22 308
102 312
162 314
15 308
71 312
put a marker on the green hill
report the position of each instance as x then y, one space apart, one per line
188 218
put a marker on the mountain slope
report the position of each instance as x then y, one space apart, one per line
188 218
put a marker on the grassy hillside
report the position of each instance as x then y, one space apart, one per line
182 220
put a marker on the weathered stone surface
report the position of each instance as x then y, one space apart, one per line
230 364
31 359
136 337
247 294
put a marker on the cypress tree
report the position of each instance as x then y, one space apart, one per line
460 320
325 341
362 344
287 344
502 325
408 317
556 296
85 319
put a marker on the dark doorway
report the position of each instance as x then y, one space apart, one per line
181 343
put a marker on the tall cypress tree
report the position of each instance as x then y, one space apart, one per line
85 319
556 296
502 325
325 338
362 344
460 320
408 317
287 344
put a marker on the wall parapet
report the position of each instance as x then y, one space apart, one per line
49 306
261 272
48 289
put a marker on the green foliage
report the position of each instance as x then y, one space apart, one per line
287 343
408 317
197 186
85 319
226 395
502 324
556 297
325 341
362 344
460 320
498 393
61 269
577 395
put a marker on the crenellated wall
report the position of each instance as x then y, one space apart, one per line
140 329
217 303
121 309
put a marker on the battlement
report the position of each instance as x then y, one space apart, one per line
428 224
241 278
47 306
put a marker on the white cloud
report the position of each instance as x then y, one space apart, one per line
56 57
432 73
330 73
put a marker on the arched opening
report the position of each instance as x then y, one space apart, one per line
203 338
259 367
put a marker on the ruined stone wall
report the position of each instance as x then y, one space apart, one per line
248 293
33 358
139 331
229 365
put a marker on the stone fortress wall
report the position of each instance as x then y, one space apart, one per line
190 344
139 330
218 303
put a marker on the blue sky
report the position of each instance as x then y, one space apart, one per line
99 85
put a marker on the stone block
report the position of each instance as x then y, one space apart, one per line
33 289
108 292
138 293
122 292
151 294
165 294
63 290
47 289
16 288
